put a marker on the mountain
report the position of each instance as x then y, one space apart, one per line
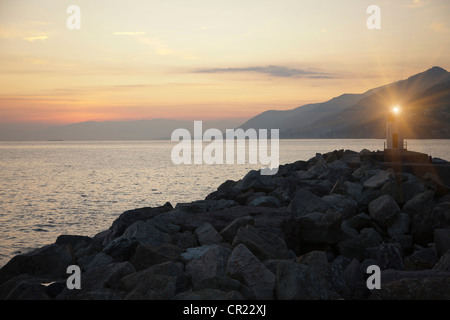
425 105
153 129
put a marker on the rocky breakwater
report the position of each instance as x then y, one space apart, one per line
308 232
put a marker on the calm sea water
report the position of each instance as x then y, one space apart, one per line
53 188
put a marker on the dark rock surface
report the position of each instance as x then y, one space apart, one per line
308 232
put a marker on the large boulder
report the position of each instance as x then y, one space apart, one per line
377 180
50 260
129 217
213 263
303 280
264 245
207 234
245 267
384 210
356 247
229 232
306 202
420 204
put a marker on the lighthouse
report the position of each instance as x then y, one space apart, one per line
394 137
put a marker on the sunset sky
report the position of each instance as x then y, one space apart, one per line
206 59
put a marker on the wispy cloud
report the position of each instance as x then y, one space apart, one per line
35 38
274 71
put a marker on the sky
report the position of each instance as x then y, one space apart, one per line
205 59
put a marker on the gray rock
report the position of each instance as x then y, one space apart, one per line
377 180
129 217
314 228
353 190
384 210
444 263
335 276
360 221
264 245
356 247
145 233
306 202
422 259
224 284
159 282
196 253
387 255
207 234
400 225
318 171
424 223
186 239
442 241
213 263
254 180
51 260
420 203
246 268
230 231
98 260
345 205
405 241
295 281
147 255
203 206
266 201
121 248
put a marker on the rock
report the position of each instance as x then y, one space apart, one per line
50 260
421 203
196 253
442 241
264 245
98 260
414 289
384 210
246 268
121 248
147 255
306 202
224 284
444 263
206 234
296 281
345 205
377 180
230 231
187 240
387 255
360 221
335 277
203 206
129 217
208 295
78 243
423 225
356 247
213 263
254 180
400 225
145 233
159 282
28 290
101 283
405 241
353 190
266 201
413 285
318 171
313 228
422 259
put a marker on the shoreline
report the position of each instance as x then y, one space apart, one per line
324 218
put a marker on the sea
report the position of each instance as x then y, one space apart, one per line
51 188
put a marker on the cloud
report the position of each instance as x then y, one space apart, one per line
274 71
35 38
